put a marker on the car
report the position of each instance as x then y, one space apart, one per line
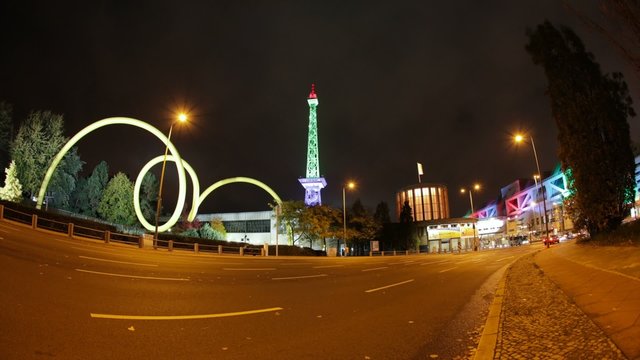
551 239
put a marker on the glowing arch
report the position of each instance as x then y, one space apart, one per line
239 179
182 188
136 190
197 198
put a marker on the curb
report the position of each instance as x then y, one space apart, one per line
489 338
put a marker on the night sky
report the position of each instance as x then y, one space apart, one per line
441 83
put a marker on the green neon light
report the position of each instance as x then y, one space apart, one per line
123 121
313 163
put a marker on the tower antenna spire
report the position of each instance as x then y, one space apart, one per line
313 182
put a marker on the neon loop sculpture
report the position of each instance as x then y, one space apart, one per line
181 165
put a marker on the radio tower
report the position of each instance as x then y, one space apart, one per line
313 183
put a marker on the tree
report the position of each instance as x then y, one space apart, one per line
12 190
39 139
590 110
149 196
364 226
218 227
290 218
620 25
116 205
88 193
318 223
6 130
63 181
381 215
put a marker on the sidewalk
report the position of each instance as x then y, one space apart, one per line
567 302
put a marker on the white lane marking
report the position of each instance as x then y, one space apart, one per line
4 231
378 268
388 286
292 264
182 317
299 277
508 257
327 266
131 276
115 261
445 270
435 262
248 269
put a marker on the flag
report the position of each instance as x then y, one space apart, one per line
420 169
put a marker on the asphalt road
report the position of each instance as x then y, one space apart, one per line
78 299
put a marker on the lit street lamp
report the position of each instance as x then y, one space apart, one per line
470 191
350 185
182 117
518 139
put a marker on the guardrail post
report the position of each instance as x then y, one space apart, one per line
406 252
196 248
262 252
107 236
34 221
241 251
382 253
1 211
370 253
170 245
219 249
394 253
70 230
141 241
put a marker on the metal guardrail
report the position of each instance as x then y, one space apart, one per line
73 230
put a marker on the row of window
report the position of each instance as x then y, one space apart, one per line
248 226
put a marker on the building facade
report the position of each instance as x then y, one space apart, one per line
428 201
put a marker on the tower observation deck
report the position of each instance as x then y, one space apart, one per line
313 182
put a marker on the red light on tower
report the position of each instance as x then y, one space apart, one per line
312 94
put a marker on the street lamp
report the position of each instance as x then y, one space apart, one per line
181 118
518 139
470 191
350 185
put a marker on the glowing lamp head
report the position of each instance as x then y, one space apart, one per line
182 117
476 186
351 185
518 138
463 190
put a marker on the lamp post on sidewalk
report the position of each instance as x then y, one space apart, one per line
350 185
470 191
182 117
518 139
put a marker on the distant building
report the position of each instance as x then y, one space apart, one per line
256 227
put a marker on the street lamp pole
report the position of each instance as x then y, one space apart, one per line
474 187
182 118
544 196
350 185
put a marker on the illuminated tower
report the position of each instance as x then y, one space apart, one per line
313 183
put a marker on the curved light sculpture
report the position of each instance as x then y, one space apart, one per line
197 198
175 157
136 191
122 121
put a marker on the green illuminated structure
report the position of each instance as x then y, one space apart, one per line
313 183
181 165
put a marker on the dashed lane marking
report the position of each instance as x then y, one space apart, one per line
248 269
388 286
299 277
131 276
445 270
378 268
327 266
115 261
182 317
